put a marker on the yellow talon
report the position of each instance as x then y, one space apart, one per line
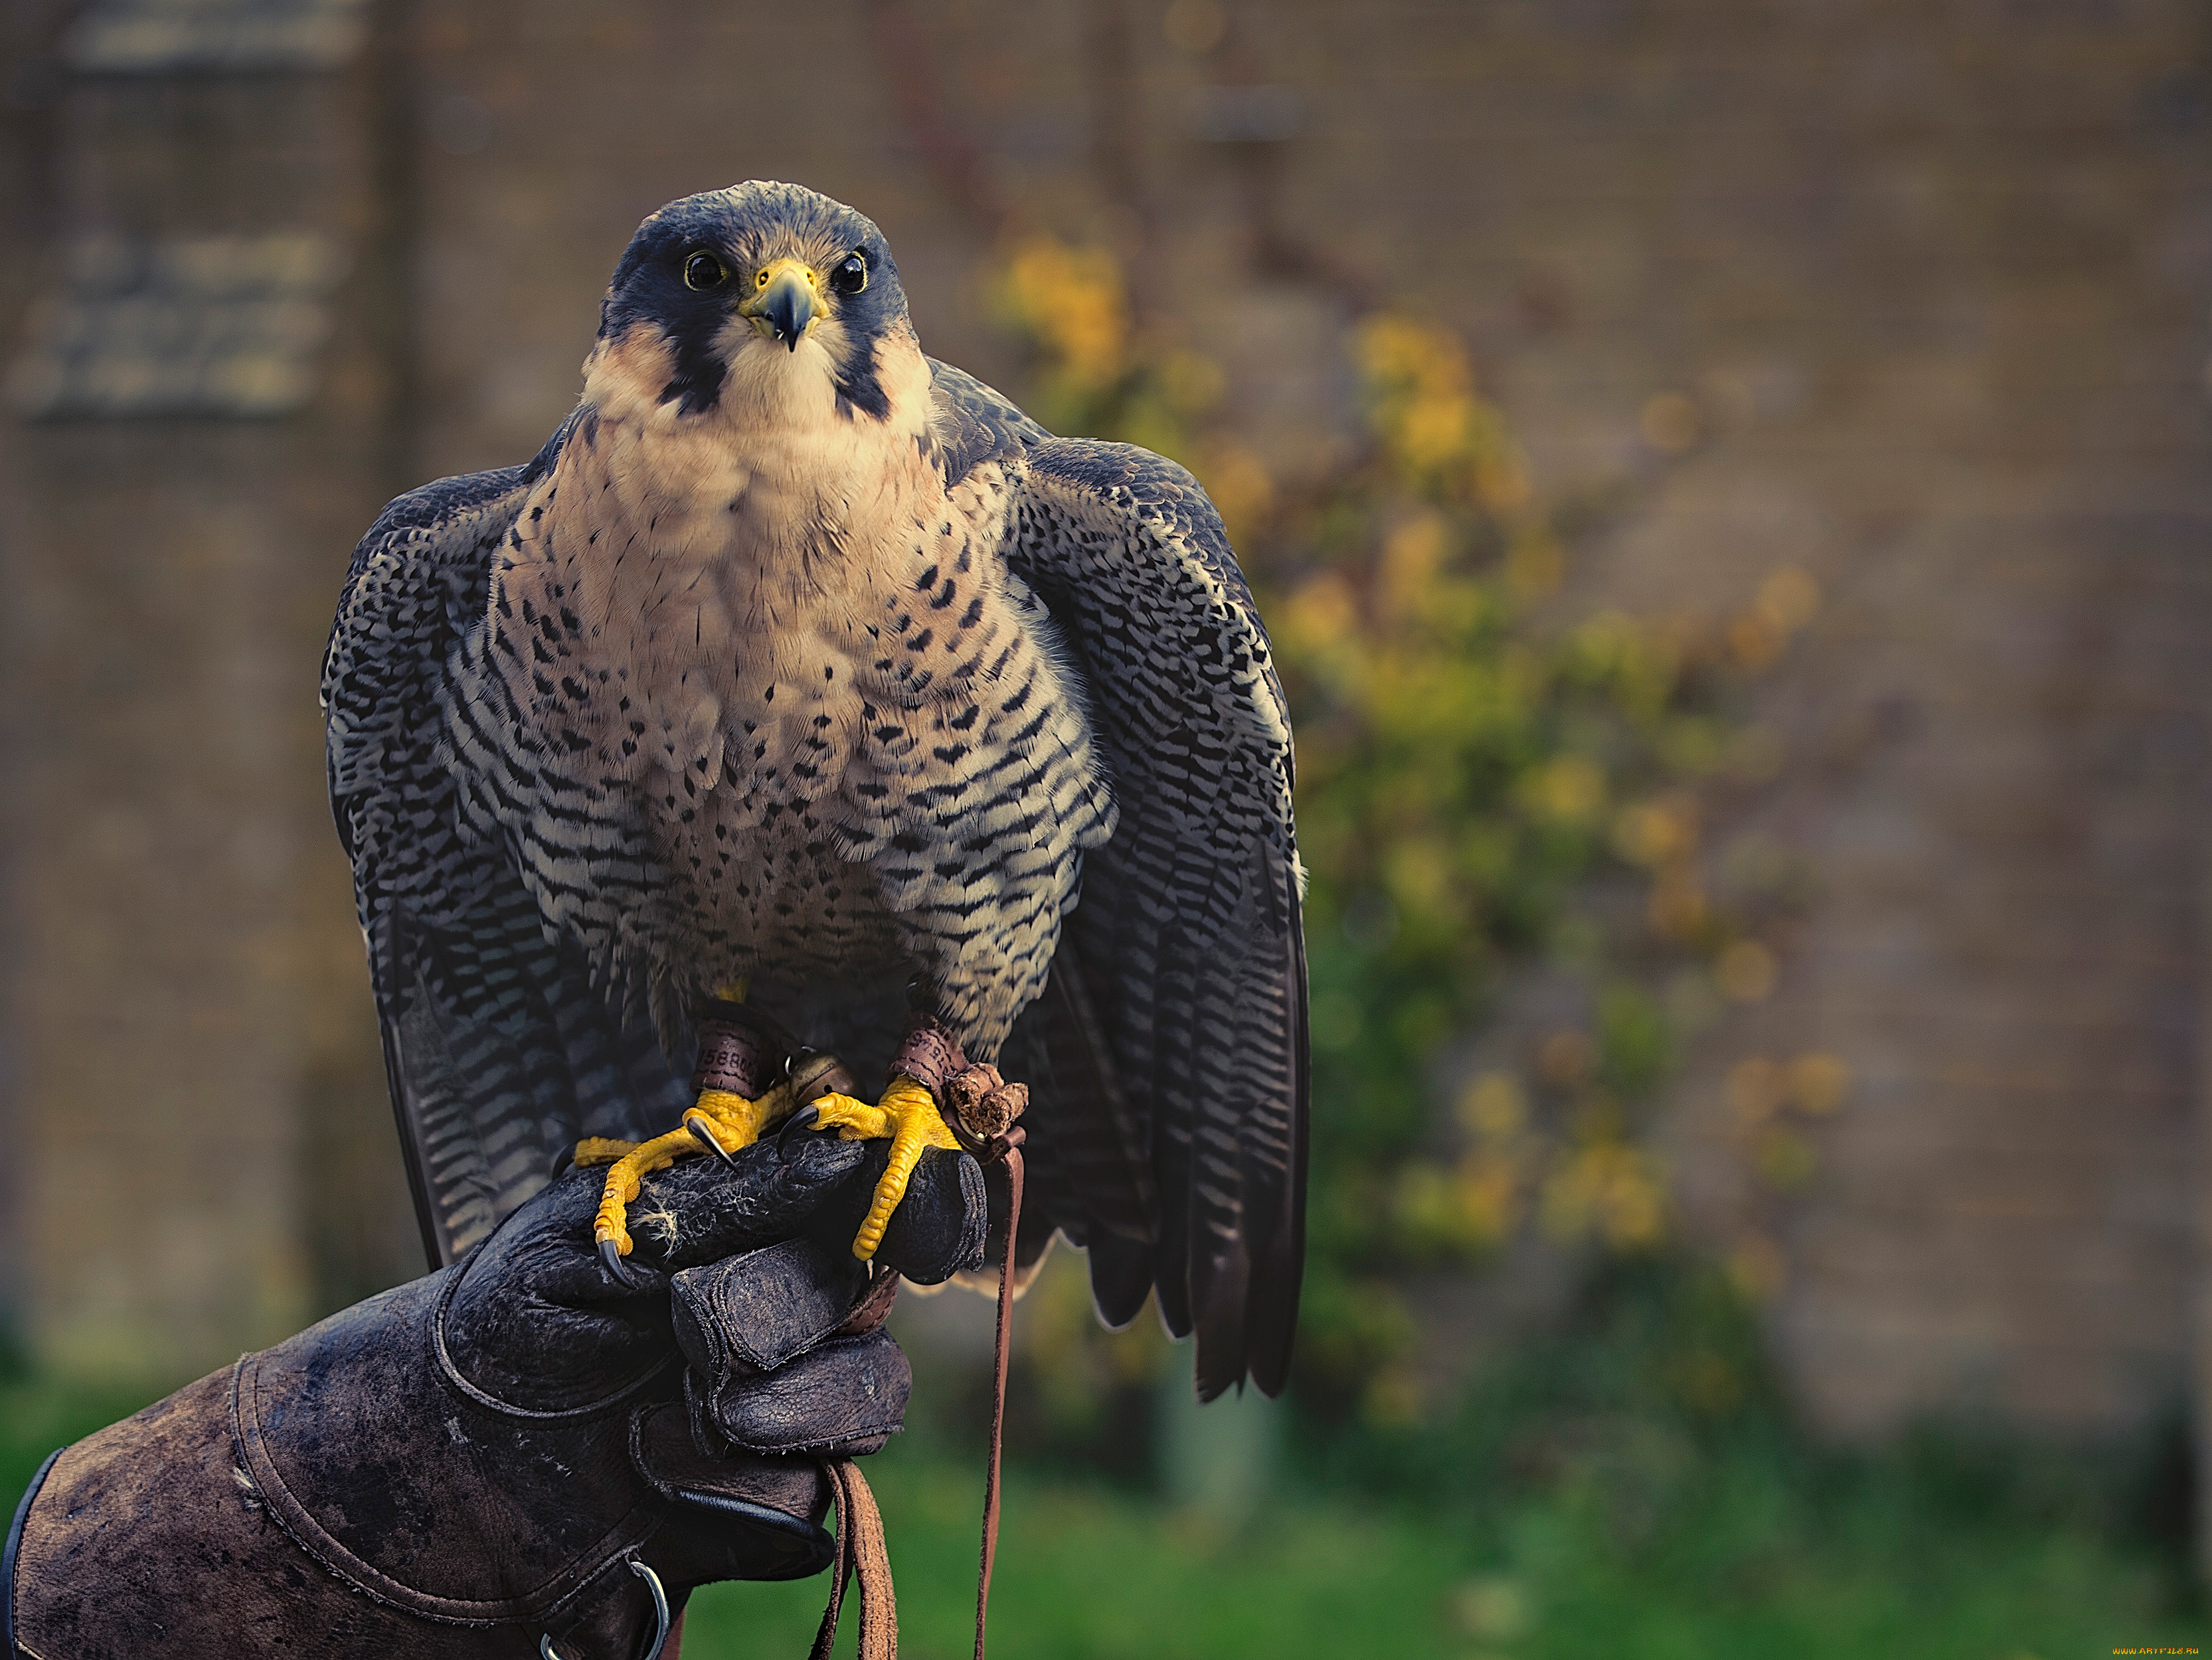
729 1121
625 1175
599 1150
908 1115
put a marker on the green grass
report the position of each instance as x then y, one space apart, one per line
1089 1573
1084 1571
39 1414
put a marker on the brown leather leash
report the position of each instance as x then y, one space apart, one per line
861 1553
1009 1148
980 1108
860 1546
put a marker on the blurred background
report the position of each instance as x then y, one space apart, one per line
1729 482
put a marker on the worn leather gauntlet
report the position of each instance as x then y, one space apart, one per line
519 1455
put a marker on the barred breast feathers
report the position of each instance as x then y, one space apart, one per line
725 655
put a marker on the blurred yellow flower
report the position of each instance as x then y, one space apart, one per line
1193 383
1320 615
1470 1206
1611 1188
1241 486
1430 429
1536 565
1658 832
1398 352
1494 1106
1073 301
1677 908
1417 873
1568 789
1494 1608
1670 422
1819 1081
1757 1268
1411 556
1486 1200
1754 640
1746 971
1789 599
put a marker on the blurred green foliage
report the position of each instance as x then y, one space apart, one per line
1485 790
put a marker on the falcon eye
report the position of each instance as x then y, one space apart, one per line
851 275
703 270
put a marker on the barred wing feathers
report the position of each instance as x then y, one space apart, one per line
1186 949
499 1050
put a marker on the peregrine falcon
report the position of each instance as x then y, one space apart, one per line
801 667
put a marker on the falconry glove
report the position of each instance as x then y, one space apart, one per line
518 1454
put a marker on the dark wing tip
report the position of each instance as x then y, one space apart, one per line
1222 1355
1248 1322
1274 1314
1121 1279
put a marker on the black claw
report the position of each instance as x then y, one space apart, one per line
562 1160
611 1253
697 1123
804 1117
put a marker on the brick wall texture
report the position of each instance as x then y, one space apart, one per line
1933 278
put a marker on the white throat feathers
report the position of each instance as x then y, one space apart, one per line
781 473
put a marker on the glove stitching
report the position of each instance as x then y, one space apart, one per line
545 1603
851 1437
507 1408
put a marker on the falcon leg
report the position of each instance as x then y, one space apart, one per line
908 1114
720 1122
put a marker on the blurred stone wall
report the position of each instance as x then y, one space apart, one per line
1926 286
1953 264
198 1156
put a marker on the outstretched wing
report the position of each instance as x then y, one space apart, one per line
1177 1014
499 1048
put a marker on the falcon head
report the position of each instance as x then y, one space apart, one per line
765 292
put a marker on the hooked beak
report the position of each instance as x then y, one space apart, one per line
783 307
